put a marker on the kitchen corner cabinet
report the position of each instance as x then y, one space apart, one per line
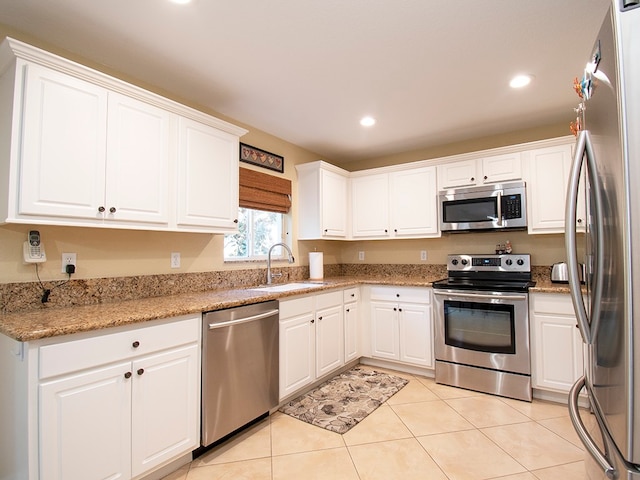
492 169
107 405
549 169
556 344
402 325
81 148
311 339
323 200
396 204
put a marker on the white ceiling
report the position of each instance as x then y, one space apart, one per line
431 71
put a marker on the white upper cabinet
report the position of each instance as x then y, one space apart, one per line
414 203
62 146
548 170
81 148
479 171
207 179
323 199
370 203
398 204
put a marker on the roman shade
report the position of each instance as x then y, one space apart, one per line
261 191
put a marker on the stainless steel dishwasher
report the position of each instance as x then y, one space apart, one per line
239 367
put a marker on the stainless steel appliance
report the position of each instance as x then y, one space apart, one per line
482 324
488 207
239 367
608 151
560 272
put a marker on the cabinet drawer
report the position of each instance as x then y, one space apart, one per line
331 299
552 303
351 295
66 357
296 306
401 294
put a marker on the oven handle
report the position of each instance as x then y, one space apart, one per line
491 296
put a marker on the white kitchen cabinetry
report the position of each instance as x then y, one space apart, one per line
81 148
370 206
396 204
136 392
311 339
207 179
490 169
556 344
402 325
549 170
323 200
352 328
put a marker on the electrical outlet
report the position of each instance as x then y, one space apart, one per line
361 256
175 259
423 255
68 259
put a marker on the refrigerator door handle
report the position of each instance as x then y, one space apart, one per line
584 148
582 432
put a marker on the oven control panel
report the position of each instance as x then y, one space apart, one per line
490 263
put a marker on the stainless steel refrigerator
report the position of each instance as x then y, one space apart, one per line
607 154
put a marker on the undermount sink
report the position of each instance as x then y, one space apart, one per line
287 287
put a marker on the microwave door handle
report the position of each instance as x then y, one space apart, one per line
500 208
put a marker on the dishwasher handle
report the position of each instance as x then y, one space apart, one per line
252 318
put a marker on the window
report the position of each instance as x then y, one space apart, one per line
257 231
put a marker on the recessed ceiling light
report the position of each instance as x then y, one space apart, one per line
520 81
367 121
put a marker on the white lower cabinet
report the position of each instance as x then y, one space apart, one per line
119 405
352 328
556 344
311 339
402 325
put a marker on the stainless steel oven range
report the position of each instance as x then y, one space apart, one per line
482 324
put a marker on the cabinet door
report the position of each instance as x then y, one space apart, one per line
502 168
413 200
207 177
558 356
384 330
63 145
138 143
457 174
334 204
165 407
416 334
297 353
85 425
549 170
329 340
370 203
351 332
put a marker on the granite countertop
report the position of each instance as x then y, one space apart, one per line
51 322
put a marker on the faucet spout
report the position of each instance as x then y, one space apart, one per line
289 253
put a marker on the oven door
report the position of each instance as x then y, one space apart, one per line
483 329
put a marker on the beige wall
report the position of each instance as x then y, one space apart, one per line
111 252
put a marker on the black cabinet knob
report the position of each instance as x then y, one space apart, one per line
140 371
135 344
127 375
101 209
112 210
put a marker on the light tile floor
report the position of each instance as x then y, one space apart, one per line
425 431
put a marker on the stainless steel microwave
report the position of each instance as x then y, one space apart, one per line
487 207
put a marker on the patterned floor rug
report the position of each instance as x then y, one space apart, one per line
342 402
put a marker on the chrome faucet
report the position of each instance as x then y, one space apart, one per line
291 260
